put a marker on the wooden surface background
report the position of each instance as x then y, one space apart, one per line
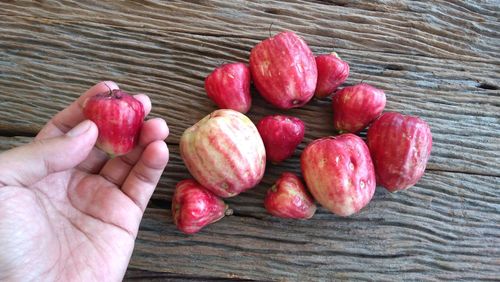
436 59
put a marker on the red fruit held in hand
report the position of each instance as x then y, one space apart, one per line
284 70
194 207
281 135
332 72
229 87
119 118
400 147
288 198
339 173
355 107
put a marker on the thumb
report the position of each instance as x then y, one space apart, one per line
28 164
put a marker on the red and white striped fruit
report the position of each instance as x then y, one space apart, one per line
224 152
339 173
194 207
229 87
400 147
355 107
281 135
332 72
284 70
288 198
119 118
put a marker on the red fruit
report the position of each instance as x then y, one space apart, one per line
284 70
332 72
355 107
400 146
288 198
339 173
229 87
224 152
281 135
194 207
119 118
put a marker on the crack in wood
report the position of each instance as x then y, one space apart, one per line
394 67
30 134
16 133
141 275
463 172
158 33
487 86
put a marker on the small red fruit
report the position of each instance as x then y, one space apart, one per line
400 147
339 173
194 207
355 107
229 87
119 118
284 70
332 72
281 135
288 198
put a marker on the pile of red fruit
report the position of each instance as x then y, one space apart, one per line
226 153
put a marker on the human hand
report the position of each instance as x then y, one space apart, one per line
67 211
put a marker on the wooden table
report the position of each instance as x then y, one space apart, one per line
439 60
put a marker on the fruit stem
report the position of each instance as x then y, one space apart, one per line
109 88
228 211
335 54
112 93
273 188
270 26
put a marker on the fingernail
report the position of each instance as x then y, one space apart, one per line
79 129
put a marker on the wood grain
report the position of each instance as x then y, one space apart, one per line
143 275
39 79
446 225
435 59
444 29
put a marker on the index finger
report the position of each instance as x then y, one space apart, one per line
68 118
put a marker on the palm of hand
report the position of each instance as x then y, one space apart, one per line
80 223
64 235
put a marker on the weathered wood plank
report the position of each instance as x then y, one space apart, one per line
42 75
146 275
435 59
446 226
446 29
7 143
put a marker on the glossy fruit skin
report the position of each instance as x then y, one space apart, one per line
119 118
400 147
288 198
224 152
339 173
355 107
281 135
194 207
332 72
284 70
229 87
